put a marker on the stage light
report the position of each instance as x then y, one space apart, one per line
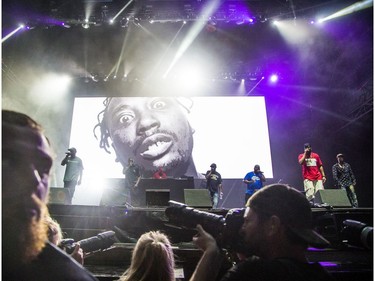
86 24
95 78
21 26
241 90
350 9
124 22
274 78
240 21
136 22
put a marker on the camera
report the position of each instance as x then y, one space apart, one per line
225 230
357 234
101 241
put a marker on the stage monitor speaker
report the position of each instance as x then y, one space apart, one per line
197 198
58 195
157 197
332 197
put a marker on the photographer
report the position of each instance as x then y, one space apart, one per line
55 236
73 171
277 230
26 163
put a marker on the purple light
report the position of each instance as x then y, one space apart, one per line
328 264
274 78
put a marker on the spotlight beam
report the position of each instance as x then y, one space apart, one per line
12 33
125 45
122 56
88 10
252 89
293 9
167 49
193 33
122 9
350 9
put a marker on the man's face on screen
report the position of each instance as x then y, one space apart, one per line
154 131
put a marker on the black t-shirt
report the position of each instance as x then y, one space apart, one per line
213 181
131 176
256 269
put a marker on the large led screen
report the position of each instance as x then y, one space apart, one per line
182 135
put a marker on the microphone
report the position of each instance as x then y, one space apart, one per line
67 153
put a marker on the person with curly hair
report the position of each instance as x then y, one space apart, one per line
154 131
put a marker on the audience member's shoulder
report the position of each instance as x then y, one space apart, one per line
61 262
55 264
51 264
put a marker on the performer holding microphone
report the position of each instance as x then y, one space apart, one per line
214 185
73 172
312 172
254 181
132 178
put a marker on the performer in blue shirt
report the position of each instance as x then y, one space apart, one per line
254 181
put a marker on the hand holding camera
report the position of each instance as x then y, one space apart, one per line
203 240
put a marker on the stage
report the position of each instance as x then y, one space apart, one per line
343 259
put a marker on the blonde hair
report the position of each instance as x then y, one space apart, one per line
54 230
152 259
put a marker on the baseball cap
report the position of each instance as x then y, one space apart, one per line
293 209
72 149
339 155
307 145
213 165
